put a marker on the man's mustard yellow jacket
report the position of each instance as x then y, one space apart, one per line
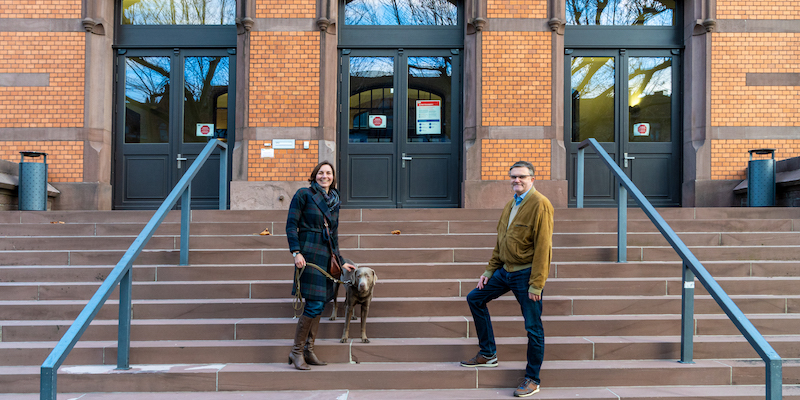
528 242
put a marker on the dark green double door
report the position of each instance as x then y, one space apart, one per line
171 102
629 101
400 128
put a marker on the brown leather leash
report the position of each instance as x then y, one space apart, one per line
297 303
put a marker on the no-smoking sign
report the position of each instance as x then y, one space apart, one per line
377 121
205 130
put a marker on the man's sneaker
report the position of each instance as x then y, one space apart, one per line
481 361
527 388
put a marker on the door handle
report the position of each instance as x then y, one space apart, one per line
405 158
626 158
184 159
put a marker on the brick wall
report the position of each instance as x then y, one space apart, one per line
40 8
729 157
59 54
287 165
516 79
734 55
284 79
516 8
64 158
758 9
497 155
286 9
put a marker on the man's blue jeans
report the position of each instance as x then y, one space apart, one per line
499 284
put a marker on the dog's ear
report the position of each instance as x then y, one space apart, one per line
374 276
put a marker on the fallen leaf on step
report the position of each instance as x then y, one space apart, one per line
265 232
57 222
396 232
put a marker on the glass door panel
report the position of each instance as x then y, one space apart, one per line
650 99
593 82
371 100
429 87
147 99
206 81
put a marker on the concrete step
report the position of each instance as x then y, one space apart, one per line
697 392
395 307
391 376
396 327
404 350
421 287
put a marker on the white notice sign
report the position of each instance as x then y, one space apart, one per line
641 129
377 121
429 117
206 130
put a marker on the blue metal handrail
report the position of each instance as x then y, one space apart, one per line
121 274
691 268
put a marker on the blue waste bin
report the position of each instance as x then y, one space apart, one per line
761 179
32 182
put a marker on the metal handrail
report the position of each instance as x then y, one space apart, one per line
121 274
691 268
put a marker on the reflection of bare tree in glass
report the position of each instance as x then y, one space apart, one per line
205 79
179 12
620 12
147 83
401 12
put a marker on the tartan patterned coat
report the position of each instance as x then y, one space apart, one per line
304 230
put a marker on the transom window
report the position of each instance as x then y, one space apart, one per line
621 12
178 12
400 12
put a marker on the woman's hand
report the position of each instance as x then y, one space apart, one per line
299 261
349 267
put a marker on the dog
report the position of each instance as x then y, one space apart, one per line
358 290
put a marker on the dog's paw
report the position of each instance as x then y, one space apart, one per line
344 340
364 340
332 318
353 318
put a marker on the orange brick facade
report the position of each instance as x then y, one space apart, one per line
516 9
40 8
286 9
729 157
64 159
734 55
499 154
58 54
758 9
284 79
286 165
517 73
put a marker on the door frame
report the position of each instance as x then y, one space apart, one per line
175 144
621 145
399 181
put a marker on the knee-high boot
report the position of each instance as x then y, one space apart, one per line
308 353
296 355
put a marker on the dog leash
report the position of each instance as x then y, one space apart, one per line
297 303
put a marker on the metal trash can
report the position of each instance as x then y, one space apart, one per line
761 179
32 182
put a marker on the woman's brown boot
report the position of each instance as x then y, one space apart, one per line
308 353
296 355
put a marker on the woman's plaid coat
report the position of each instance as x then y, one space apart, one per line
304 230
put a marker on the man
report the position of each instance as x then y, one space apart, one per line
520 263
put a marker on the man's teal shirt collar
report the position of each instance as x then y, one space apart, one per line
518 199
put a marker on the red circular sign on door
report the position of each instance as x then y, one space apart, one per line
377 121
205 129
642 129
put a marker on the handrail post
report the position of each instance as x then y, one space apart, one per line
223 178
186 215
48 384
622 224
774 371
124 329
579 183
687 315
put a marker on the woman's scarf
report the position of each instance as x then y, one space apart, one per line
331 198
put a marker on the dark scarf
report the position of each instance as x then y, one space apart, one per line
331 198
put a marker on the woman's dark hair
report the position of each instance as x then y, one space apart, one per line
313 175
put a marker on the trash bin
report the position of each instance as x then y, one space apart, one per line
32 182
761 179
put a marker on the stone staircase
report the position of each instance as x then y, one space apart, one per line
222 326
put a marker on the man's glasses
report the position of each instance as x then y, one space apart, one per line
514 177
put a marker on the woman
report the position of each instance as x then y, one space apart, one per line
305 229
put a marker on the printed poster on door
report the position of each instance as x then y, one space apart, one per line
429 117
